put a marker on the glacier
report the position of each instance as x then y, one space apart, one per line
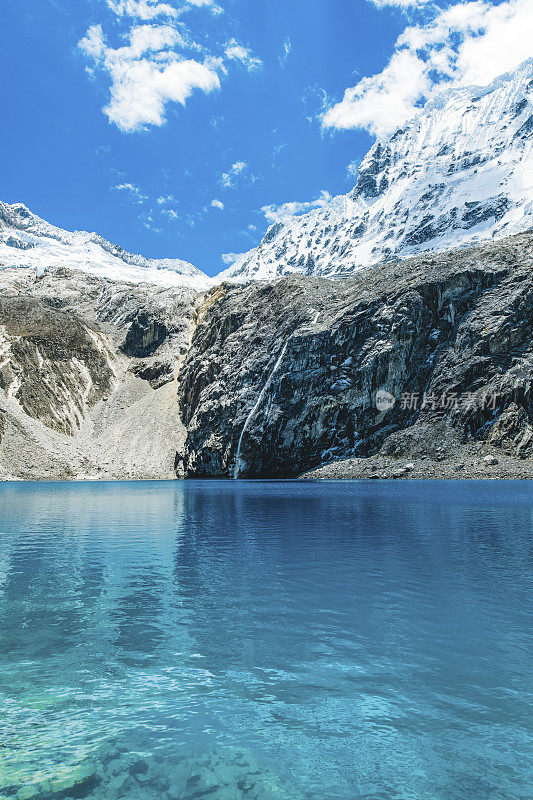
26 240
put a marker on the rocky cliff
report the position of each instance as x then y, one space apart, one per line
420 368
282 377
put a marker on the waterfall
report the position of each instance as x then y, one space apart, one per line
259 400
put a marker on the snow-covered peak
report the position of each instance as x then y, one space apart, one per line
460 172
28 241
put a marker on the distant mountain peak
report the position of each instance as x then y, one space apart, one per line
26 240
458 173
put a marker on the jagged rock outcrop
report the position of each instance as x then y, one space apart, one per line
460 172
513 432
449 337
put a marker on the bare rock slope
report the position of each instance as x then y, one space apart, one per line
88 375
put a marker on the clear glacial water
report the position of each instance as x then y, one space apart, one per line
331 641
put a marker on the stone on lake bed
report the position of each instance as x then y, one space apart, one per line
116 783
139 767
82 774
28 792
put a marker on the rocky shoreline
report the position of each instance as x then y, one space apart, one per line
472 467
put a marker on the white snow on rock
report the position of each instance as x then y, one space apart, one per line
459 173
28 241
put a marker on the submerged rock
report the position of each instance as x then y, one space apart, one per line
81 778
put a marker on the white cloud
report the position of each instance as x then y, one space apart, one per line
166 199
228 178
467 43
133 192
286 51
217 204
230 258
352 169
142 9
142 89
170 213
382 102
400 3
93 44
280 213
151 9
236 52
147 74
215 9
160 63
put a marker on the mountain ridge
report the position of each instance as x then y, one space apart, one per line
458 173
27 240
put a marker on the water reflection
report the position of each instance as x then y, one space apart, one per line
354 639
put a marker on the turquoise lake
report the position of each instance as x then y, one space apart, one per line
261 640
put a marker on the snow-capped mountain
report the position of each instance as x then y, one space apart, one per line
460 172
28 241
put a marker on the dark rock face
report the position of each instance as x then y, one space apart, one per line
513 432
283 377
57 365
369 182
495 208
145 335
157 373
18 244
272 232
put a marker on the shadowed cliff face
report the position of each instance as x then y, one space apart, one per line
459 325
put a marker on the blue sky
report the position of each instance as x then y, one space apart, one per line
94 135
